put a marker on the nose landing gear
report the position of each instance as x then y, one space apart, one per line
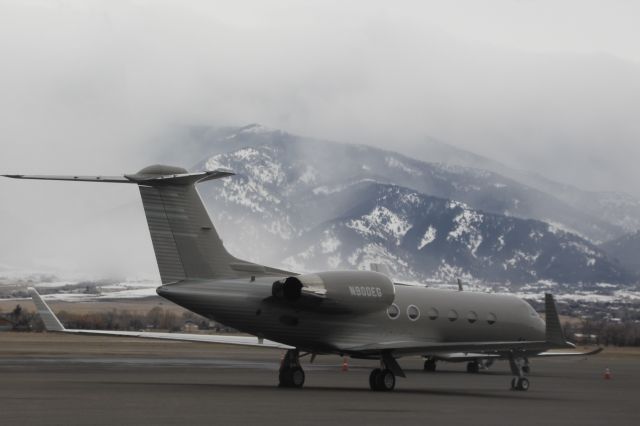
430 364
519 382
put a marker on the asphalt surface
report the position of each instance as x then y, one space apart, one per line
59 379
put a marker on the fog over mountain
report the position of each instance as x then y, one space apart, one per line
87 86
308 204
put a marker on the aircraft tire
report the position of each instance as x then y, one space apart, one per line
373 379
429 365
523 384
283 378
385 381
472 367
292 377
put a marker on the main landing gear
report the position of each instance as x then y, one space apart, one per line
384 378
473 367
430 364
291 373
519 382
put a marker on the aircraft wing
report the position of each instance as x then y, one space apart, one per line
52 323
471 356
422 348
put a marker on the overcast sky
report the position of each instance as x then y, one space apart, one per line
551 86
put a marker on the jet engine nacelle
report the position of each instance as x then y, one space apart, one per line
337 291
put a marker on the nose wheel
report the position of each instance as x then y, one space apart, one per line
519 382
430 364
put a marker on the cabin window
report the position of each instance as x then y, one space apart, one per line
491 318
393 311
432 313
472 317
413 312
453 315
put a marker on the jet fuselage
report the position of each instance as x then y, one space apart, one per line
423 315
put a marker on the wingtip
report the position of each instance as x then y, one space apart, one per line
13 176
223 170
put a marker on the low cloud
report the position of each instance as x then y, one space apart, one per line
86 85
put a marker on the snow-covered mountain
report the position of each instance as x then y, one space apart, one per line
309 204
626 251
616 208
432 238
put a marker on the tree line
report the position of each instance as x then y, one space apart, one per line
604 332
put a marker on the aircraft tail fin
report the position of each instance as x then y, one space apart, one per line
186 244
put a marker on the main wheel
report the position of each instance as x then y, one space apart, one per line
523 384
373 378
296 377
292 377
430 365
385 380
472 367
283 378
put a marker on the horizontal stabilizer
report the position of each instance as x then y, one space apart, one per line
143 177
50 320
108 179
563 354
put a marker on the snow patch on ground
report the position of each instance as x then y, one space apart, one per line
309 176
429 237
362 258
450 273
257 129
327 190
394 162
466 229
381 222
330 243
520 257
580 248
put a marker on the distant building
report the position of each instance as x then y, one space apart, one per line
586 338
190 327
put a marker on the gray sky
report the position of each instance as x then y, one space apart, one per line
552 86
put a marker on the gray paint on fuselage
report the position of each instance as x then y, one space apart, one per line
248 306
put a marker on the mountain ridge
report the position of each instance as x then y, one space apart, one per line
306 198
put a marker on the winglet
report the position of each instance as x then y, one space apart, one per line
51 321
553 332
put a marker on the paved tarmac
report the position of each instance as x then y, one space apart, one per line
60 379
